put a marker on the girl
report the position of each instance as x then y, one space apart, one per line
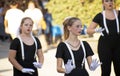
109 41
23 50
73 51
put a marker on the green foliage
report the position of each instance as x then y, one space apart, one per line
61 9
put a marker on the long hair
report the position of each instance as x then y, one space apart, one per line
68 22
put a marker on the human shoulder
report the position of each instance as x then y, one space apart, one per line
7 12
38 10
85 43
99 14
61 44
19 9
15 44
36 38
11 11
98 18
88 49
26 10
119 12
15 41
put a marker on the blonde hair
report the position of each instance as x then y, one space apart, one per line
68 22
22 21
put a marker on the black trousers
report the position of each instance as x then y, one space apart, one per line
108 52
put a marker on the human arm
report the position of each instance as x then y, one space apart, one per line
89 60
40 56
6 26
12 58
39 63
68 66
91 28
59 57
13 61
60 69
6 17
97 20
40 59
93 63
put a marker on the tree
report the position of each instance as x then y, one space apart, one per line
63 8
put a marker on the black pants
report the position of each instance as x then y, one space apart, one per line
109 51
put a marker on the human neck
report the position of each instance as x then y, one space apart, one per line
26 35
109 10
72 39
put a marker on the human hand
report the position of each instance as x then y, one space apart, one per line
95 63
69 67
37 65
99 30
27 70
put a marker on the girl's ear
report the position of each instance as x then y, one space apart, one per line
69 28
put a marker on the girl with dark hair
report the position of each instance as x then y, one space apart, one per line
109 41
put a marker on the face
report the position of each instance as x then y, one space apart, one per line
27 26
108 4
76 28
31 5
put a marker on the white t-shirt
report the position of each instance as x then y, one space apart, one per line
36 15
14 17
